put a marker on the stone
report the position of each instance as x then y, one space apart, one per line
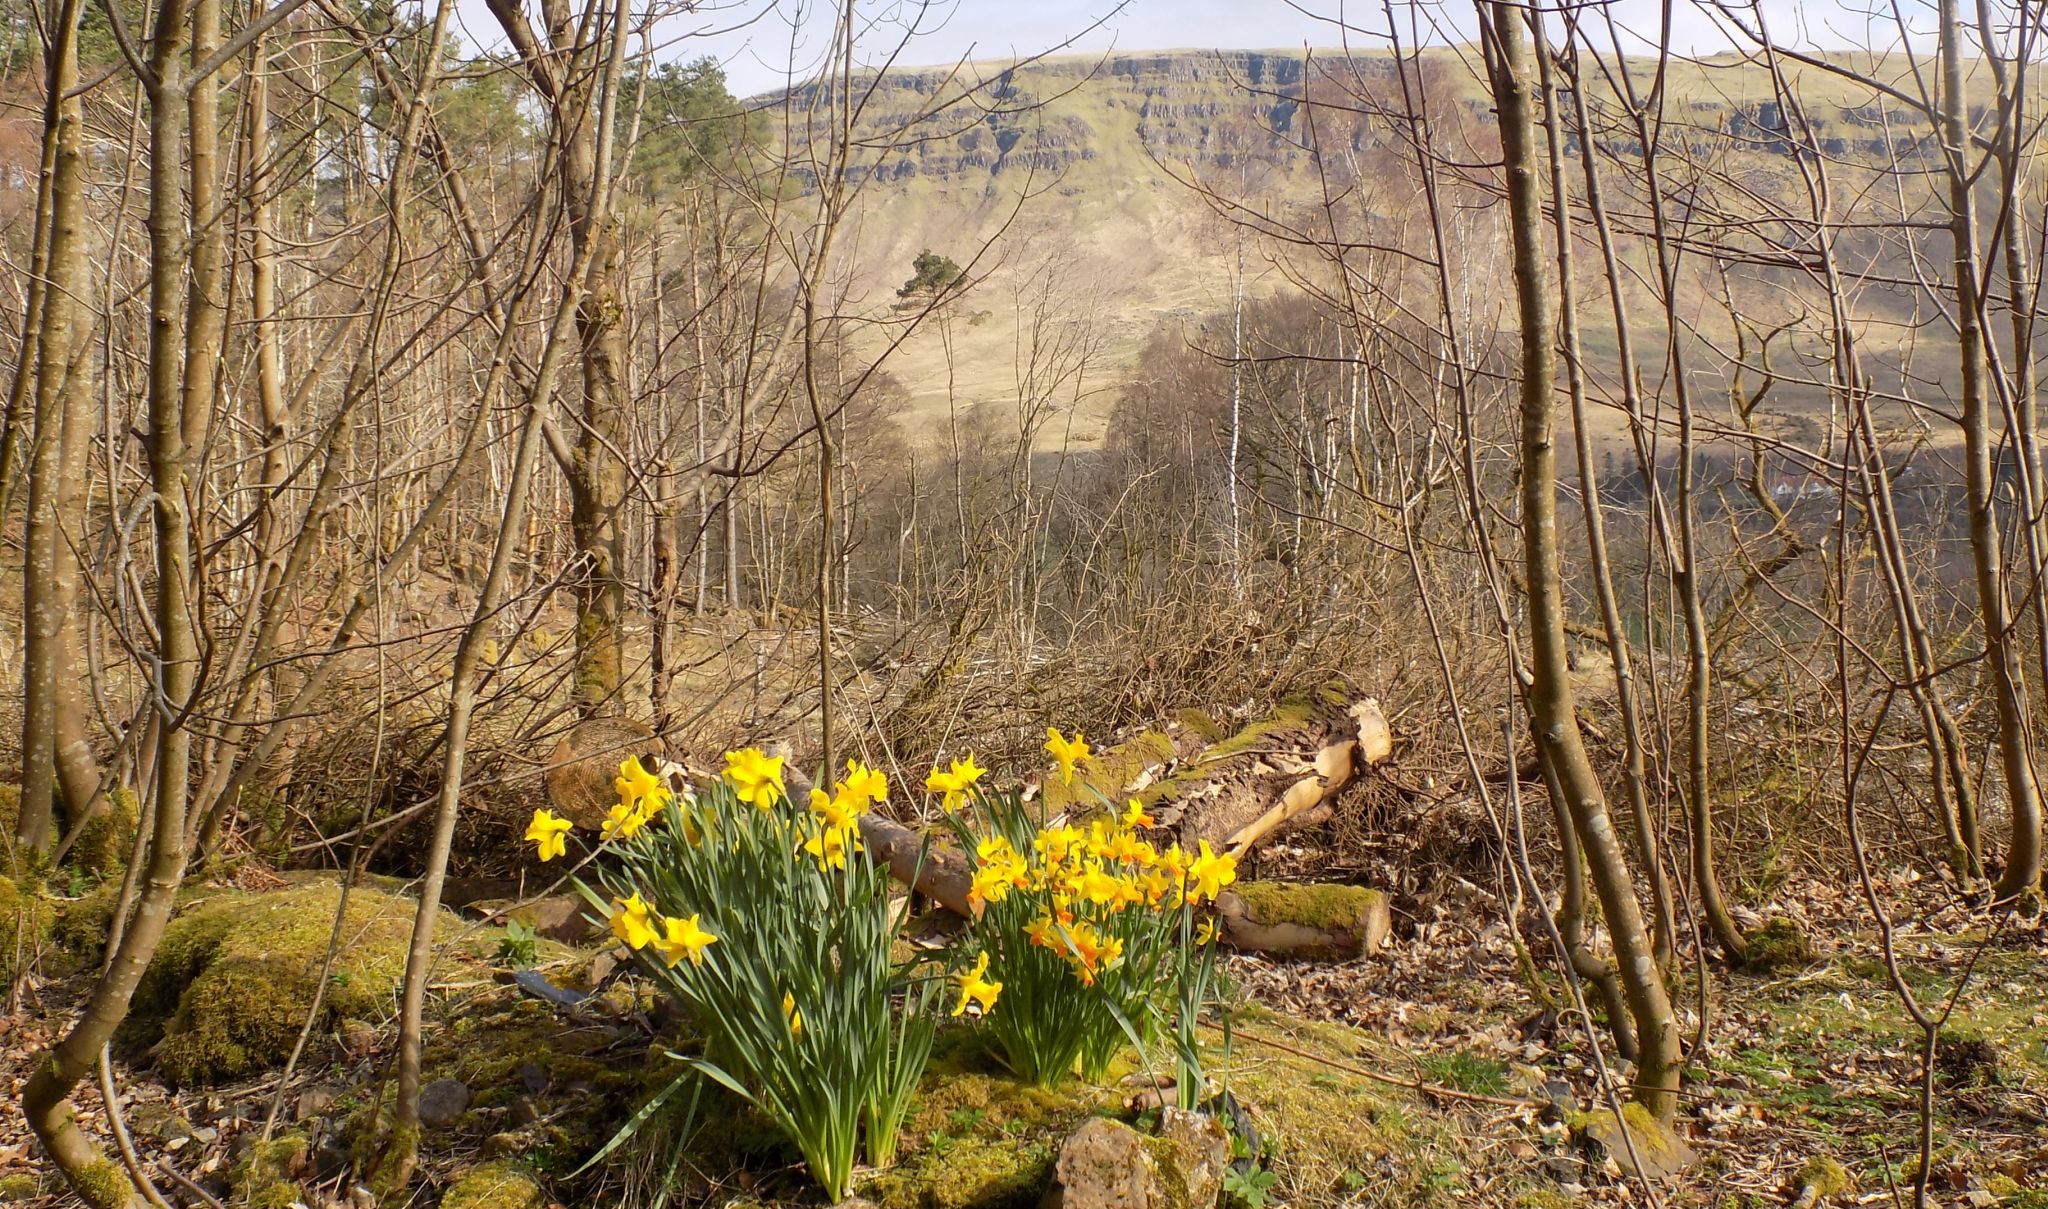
315 1101
442 1101
533 1077
1661 1152
1106 1164
1204 1147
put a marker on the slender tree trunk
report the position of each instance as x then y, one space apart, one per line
46 1099
2001 653
1554 720
63 413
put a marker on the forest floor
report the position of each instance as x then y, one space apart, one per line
1427 1074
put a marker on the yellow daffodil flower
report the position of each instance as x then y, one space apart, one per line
1135 816
625 819
1206 932
639 787
794 1018
633 922
942 782
1096 886
832 844
549 830
1067 752
991 884
755 776
1209 872
976 988
684 938
866 783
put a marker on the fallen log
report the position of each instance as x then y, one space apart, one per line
1297 919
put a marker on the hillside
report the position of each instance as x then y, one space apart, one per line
1084 175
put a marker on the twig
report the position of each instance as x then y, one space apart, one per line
122 1141
1414 1085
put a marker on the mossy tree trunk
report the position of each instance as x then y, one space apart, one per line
184 342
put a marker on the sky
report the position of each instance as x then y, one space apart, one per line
758 41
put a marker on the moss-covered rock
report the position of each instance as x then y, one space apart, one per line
1661 1152
19 1186
103 846
83 924
28 918
235 976
975 1140
1822 1178
501 1185
1779 944
264 1176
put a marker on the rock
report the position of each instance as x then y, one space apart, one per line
236 974
499 1185
1204 1147
1661 1152
1106 1164
315 1101
442 1101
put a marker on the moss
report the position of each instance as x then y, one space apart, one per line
104 1184
1779 943
980 1141
83 924
28 920
502 1185
234 978
1653 1143
103 846
20 1186
262 1179
1290 714
1104 778
1823 1176
1310 904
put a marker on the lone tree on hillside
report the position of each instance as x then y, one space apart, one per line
933 275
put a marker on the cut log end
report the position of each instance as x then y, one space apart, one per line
1294 919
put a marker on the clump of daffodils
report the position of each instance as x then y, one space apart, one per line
769 923
1088 934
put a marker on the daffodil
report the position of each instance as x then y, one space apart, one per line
1097 886
1206 932
1134 816
683 938
755 776
640 788
625 819
1067 752
975 987
633 922
953 782
794 1018
991 884
548 830
864 782
830 846
1209 872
